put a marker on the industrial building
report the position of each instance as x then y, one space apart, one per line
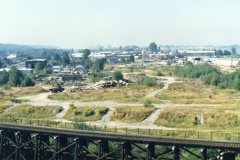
33 62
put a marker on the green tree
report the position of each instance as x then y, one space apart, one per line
86 53
98 64
66 59
117 75
38 68
131 58
47 70
4 77
153 47
27 81
15 77
87 63
1 63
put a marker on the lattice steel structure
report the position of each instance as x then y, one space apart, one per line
21 142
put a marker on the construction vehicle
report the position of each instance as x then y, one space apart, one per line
58 87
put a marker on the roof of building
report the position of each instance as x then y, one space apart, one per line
24 69
38 60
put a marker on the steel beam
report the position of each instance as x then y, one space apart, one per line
80 152
150 152
227 155
61 142
127 151
176 153
41 153
103 148
204 154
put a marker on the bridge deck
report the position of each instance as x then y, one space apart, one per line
161 140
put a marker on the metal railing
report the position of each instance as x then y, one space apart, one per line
194 134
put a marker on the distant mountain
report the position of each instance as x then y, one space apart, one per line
17 47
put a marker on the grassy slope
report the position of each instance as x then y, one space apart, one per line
195 92
28 111
81 114
4 105
131 114
215 117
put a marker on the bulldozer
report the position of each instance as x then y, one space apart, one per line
56 89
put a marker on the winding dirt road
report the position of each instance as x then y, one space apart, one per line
42 100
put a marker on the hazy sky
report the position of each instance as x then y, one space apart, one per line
86 23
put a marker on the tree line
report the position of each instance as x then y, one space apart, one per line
15 78
210 75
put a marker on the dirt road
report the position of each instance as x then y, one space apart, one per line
42 100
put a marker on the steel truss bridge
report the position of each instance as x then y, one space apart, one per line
23 142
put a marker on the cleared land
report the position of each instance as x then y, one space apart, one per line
118 94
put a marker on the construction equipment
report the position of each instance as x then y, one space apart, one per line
56 89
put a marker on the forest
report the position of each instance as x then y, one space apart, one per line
210 75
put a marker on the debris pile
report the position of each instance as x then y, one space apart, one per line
106 82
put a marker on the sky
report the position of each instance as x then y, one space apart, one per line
89 23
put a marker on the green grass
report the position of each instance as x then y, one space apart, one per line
131 114
35 112
195 92
82 114
12 93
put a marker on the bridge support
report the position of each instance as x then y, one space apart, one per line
24 147
4 145
61 142
20 142
227 156
176 153
80 151
203 154
126 151
103 148
41 152
150 152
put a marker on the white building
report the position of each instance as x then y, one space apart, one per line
57 69
25 71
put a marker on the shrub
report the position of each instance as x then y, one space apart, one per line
147 81
117 75
159 73
27 81
148 103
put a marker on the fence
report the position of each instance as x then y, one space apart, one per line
195 134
